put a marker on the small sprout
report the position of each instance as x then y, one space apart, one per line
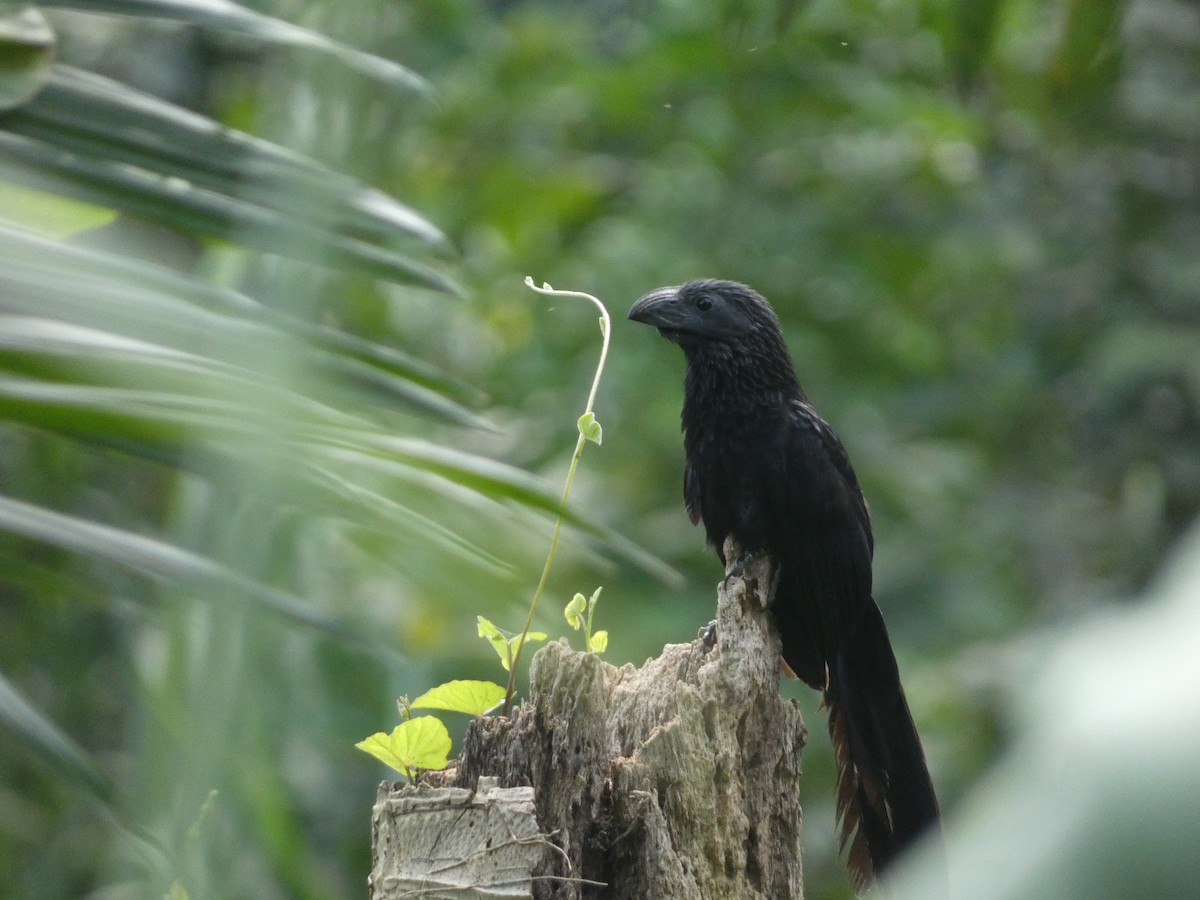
491 633
574 611
578 613
419 744
590 428
423 742
475 698
507 647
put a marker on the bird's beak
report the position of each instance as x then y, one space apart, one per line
660 308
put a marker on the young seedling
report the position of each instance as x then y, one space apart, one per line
589 430
506 645
578 613
422 743
414 746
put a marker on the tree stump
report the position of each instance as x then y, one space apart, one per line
675 780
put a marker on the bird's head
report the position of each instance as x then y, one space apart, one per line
707 311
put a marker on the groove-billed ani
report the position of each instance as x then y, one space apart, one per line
763 467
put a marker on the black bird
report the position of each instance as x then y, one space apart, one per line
763 467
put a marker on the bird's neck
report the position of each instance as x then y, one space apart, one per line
723 384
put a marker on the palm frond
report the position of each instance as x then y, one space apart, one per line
230 17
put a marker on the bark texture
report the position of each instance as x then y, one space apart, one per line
674 780
454 843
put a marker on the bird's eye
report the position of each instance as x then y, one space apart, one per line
704 304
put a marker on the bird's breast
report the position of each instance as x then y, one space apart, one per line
730 481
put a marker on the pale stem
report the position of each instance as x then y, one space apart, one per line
605 328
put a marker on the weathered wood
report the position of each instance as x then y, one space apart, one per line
438 843
678 779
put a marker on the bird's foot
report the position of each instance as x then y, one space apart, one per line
738 569
708 635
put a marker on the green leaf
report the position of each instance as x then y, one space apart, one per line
590 428
157 559
574 611
50 214
91 288
230 17
49 744
471 697
420 743
598 642
1085 60
500 644
519 641
128 126
26 53
157 197
102 142
486 628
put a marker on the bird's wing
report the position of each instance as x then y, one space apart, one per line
805 418
821 536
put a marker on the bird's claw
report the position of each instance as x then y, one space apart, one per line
708 635
738 569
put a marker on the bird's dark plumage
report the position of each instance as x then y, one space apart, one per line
762 466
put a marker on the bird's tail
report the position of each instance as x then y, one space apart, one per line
885 797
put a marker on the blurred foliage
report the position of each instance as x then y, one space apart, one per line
1070 812
976 219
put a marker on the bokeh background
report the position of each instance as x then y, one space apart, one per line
270 440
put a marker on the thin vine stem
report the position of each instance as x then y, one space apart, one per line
605 330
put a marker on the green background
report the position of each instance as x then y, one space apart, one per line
978 222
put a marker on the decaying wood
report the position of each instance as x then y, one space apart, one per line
675 780
455 843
